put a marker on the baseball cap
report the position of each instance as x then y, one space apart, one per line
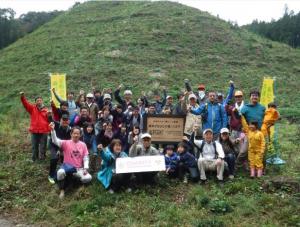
207 130
224 130
192 96
146 135
127 92
219 94
107 96
90 95
238 93
201 87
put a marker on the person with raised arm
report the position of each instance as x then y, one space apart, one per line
76 159
39 126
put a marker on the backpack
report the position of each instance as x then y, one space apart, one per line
200 149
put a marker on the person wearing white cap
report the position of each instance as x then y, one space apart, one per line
107 96
106 101
191 120
169 104
103 98
127 101
92 107
144 149
210 155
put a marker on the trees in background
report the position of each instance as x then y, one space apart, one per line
286 29
12 28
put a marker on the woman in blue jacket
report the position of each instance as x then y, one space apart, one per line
107 175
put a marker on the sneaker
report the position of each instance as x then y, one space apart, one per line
129 190
51 180
221 183
231 177
62 194
185 180
110 191
203 182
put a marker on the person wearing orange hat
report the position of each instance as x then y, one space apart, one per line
201 94
235 124
234 112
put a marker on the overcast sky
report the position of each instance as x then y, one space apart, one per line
240 11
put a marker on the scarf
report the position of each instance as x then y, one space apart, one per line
239 107
201 94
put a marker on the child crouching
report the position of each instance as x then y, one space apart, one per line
171 161
187 164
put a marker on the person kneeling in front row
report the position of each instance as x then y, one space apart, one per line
76 159
210 156
107 175
144 149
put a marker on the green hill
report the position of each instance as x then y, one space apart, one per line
143 44
140 44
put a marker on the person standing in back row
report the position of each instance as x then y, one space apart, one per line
213 115
254 111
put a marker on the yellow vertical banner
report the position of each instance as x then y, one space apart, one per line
58 81
267 92
267 96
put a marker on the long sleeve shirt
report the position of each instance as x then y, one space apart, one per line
216 116
75 153
140 150
208 151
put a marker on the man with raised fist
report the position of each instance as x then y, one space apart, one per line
39 126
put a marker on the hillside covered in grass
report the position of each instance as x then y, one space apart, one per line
143 44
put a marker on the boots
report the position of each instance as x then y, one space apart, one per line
252 172
259 173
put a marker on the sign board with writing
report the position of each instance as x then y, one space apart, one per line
165 128
140 164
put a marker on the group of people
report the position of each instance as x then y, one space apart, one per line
89 133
